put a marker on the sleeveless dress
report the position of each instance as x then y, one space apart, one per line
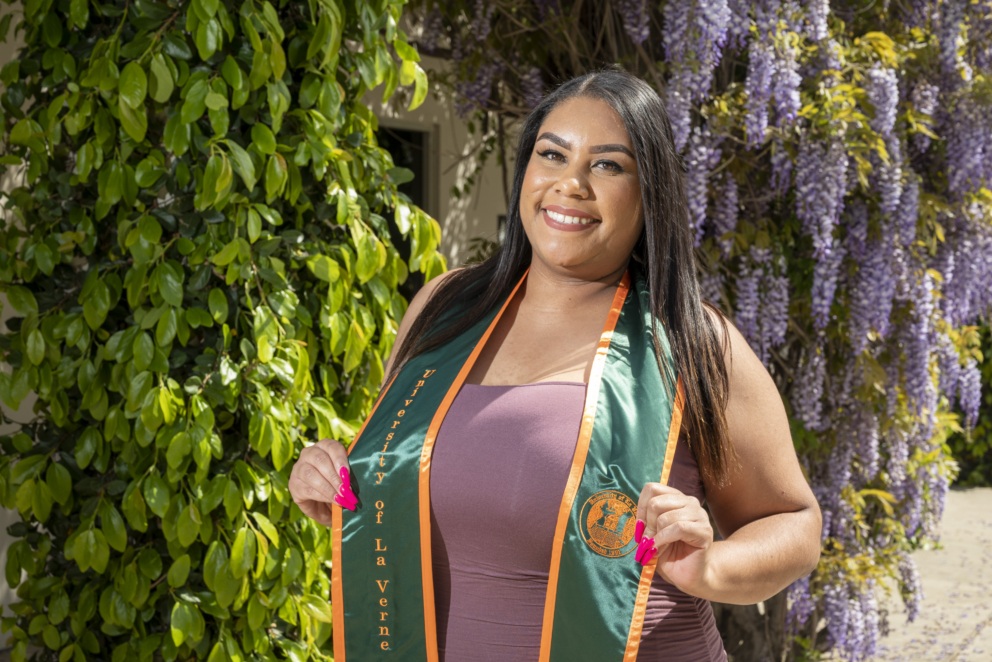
499 468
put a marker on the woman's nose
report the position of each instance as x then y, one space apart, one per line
573 182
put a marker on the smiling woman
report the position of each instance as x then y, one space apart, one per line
580 203
535 478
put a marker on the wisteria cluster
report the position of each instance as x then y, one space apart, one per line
837 179
636 19
694 37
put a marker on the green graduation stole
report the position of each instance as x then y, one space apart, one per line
382 583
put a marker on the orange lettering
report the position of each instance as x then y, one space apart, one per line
380 504
383 602
408 403
380 475
383 630
382 615
381 560
428 373
385 646
378 517
379 547
382 460
420 383
400 413
382 583
389 437
395 423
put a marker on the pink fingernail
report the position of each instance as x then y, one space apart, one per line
639 531
346 501
648 555
642 548
345 474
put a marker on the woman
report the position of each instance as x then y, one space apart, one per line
530 483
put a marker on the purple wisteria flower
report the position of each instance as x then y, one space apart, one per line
702 157
807 398
882 88
532 87
924 100
970 391
726 209
635 18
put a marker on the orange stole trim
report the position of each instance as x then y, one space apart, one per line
647 573
337 523
424 484
579 461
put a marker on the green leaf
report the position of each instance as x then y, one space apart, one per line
134 121
242 552
275 177
150 563
97 305
170 284
179 571
267 527
59 482
218 305
324 268
188 525
36 347
263 138
144 351
316 607
232 73
157 494
419 89
160 85
179 449
79 13
215 564
22 299
243 164
181 622
87 446
133 85
112 525
195 104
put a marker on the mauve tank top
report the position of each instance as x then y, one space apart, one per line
499 468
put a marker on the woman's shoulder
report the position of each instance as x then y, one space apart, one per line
423 295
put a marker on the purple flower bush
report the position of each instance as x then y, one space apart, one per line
838 166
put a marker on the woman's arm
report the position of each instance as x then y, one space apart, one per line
316 481
764 507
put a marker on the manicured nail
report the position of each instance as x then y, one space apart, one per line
639 531
642 549
648 555
347 501
345 474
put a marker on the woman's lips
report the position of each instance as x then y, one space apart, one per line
568 222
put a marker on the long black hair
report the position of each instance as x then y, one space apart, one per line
663 256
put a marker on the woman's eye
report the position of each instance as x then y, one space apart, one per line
611 166
551 155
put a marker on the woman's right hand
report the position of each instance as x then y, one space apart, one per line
321 477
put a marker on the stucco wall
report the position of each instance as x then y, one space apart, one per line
474 214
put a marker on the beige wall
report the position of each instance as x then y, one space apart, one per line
476 213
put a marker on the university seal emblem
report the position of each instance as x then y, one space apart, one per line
608 519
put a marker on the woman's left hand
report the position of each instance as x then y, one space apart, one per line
678 530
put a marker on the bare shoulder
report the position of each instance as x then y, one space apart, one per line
765 476
745 372
420 300
413 311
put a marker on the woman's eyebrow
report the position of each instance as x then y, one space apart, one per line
596 149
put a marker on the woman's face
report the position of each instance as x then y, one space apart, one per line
581 199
